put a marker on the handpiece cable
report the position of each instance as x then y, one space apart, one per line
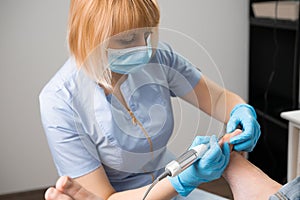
175 167
159 178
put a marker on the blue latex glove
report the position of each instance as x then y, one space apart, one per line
205 169
244 115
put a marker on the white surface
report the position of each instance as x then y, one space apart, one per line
201 194
33 46
293 143
221 29
298 157
293 116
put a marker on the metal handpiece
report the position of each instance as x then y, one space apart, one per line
175 167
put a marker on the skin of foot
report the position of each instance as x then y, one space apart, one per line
247 181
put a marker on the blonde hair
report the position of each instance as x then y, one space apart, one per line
92 22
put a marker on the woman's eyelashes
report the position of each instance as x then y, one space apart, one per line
127 40
134 38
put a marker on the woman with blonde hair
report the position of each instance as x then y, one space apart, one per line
107 112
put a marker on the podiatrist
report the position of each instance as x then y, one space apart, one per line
107 112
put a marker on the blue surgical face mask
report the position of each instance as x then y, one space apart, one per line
129 60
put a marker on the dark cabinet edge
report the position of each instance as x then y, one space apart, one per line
272 23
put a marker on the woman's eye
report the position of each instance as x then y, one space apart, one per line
127 40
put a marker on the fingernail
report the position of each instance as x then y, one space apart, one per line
63 183
67 181
50 193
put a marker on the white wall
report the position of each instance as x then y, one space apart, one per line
33 47
214 36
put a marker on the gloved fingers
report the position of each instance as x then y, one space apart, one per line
213 140
224 158
251 133
232 124
226 149
257 130
200 140
213 156
214 167
226 152
217 165
247 134
213 150
245 146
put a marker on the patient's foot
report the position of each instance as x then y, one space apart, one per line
247 181
68 189
226 138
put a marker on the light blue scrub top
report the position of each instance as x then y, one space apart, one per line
87 129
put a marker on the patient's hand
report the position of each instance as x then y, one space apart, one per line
68 189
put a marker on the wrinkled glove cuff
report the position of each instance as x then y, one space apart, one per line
178 186
243 105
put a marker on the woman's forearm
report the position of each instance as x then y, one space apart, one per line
68 188
224 104
162 190
213 99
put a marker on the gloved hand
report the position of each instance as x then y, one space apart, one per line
245 115
207 168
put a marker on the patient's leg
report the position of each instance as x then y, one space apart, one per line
247 181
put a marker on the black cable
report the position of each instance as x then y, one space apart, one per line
274 63
159 178
269 83
150 188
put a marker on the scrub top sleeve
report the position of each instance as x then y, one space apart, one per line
181 74
72 152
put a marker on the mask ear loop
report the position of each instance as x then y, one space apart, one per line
149 46
152 40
